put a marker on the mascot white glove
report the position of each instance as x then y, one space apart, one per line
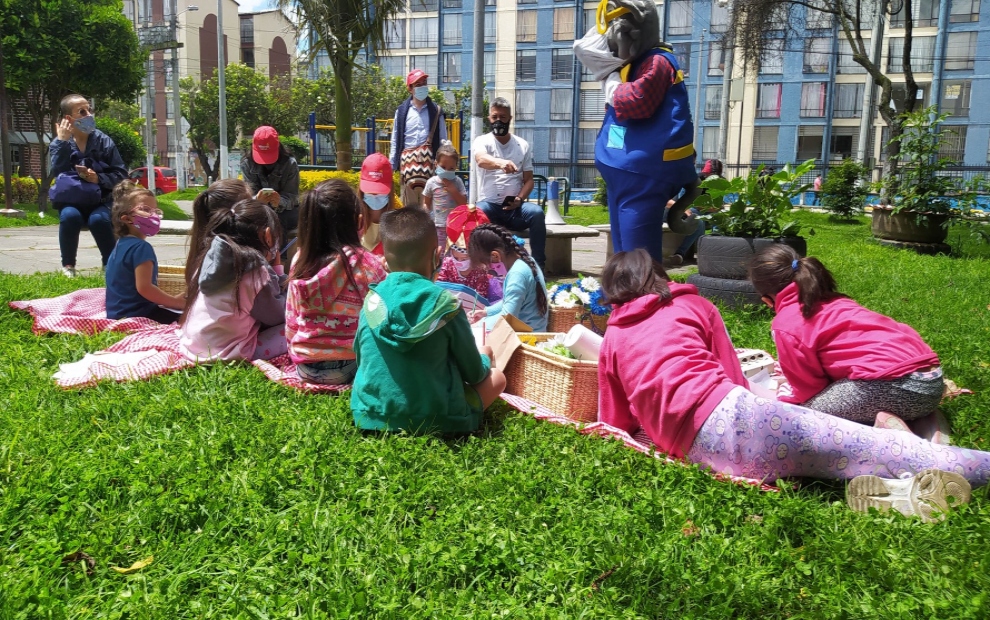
609 85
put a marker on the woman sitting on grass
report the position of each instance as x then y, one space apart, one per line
667 366
838 357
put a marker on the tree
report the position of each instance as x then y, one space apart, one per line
343 28
755 23
54 48
126 139
124 112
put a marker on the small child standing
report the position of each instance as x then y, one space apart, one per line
132 269
839 357
329 279
419 369
524 294
235 306
444 192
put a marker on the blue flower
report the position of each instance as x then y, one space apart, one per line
597 307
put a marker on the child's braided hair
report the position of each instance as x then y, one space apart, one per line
490 237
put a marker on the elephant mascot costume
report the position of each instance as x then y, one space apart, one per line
645 148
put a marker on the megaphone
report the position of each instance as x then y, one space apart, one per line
553 217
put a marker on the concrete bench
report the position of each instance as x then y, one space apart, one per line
560 239
175 227
670 239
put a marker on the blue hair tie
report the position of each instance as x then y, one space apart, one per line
794 265
519 240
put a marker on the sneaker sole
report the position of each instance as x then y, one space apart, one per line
928 498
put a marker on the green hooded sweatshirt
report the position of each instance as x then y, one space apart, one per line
416 359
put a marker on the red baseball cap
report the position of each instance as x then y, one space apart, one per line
376 174
414 76
264 148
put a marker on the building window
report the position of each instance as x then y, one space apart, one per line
960 51
709 143
422 6
682 52
765 143
845 64
848 101
899 93
816 53
713 103
955 97
395 34
562 64
564 24
525 65
526 1
720 18
423 32
817 20
561 104
247 56
526 26
773 57
843 143
716 58
809 144
451 4
169 106
924 13
451 67
560 143
452 29
964 11
393 65
247 31
768 100
427 62
922 54
681 16
586 143
489 2
525 105
490 68
592 105
813 99
491 32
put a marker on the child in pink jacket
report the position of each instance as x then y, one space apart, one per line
838 357
667 367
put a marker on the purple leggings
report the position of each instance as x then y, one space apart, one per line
766 439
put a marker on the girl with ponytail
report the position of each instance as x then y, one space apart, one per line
235 304
524 294
219 196
839 357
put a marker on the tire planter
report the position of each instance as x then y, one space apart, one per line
909 226
722 265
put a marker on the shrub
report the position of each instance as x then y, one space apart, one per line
25 189
295 146
844 190
308 179
601 196
128 143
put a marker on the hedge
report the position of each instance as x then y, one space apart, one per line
308 179
25 189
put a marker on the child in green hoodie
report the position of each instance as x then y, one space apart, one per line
419 368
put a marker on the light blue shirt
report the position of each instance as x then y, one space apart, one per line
519 298
417 128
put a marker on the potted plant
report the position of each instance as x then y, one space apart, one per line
757 207
919 199
844 190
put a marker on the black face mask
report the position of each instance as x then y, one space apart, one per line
500 128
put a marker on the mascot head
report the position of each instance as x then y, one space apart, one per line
631 27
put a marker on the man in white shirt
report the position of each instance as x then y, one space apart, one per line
505 180
418 121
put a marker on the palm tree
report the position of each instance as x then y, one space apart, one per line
343 28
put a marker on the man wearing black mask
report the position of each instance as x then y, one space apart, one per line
505 180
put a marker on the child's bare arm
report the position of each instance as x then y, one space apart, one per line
145 288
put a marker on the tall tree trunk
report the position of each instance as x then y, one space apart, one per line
343 72
8 188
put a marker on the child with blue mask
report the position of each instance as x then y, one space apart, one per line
375 194
444 191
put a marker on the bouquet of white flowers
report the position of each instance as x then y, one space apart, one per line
580 302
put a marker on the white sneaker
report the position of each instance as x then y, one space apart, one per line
69 271
928 494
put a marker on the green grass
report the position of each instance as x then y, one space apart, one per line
170 210
30 218
189 193
586 215
257 501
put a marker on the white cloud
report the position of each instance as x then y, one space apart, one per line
250 6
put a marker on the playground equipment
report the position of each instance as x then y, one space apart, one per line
375 137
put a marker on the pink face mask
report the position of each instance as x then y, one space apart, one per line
148 225
499 269
462 265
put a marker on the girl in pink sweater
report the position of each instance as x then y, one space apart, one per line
329 279
838 357
667 366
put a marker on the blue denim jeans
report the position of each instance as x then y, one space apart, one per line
70 223
527 217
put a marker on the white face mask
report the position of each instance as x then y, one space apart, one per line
377 202
420 93
443 173
462 265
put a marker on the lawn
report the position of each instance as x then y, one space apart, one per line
170 211
190 193
256 501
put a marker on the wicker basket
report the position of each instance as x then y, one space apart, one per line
561 320
172 279
565 386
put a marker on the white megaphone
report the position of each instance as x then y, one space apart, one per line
553 217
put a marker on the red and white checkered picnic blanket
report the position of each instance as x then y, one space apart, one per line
142 355
281 370
80 312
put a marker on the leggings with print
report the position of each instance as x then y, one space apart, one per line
766 439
